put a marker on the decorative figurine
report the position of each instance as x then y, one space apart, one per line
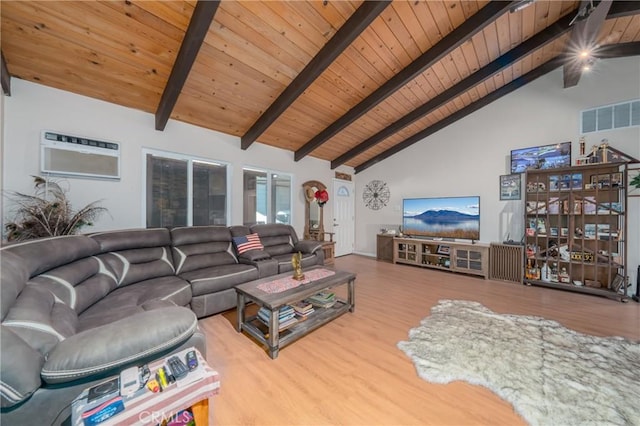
604 149
296 261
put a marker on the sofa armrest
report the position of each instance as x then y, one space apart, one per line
97 350
252 256
19 369
307 246
266 265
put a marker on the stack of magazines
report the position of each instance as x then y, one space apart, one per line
303 309
286 317
324 299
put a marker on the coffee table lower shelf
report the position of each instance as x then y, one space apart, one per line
321 316
271 335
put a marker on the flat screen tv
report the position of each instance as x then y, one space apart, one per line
442 217
541 157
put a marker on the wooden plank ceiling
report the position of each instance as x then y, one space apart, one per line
394 73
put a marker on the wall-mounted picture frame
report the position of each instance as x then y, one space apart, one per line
510 187
541 157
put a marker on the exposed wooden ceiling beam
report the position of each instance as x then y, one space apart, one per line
583 39
197 30
475 106
451 41
620 9
609 51
620 50
5 77
539 40
358 22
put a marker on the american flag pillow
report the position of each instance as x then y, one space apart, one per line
248 242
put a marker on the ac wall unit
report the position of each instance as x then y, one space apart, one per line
70 155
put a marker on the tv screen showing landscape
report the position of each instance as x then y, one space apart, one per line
442 217
541 157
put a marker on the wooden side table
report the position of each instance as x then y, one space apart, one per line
328 247
384 247
146 407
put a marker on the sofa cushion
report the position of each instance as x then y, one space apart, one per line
217 278
239 230
136 298
131 266
79 284
19 369
13 277
118 343
198 256
307 246
278 244
183 236
40 319
201 247
137 254
47 253
131 239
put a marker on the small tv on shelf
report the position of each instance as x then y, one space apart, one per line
541 157
442 217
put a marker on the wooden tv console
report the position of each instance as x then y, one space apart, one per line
467 258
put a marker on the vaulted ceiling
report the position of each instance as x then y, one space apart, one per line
350 82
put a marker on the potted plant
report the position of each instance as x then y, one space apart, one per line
48 213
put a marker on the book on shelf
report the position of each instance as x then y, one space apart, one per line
324 299
288 323
284 313
610 208
286 317
302 307
589 205
305 315
536 207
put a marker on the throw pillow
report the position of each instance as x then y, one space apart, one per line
248 242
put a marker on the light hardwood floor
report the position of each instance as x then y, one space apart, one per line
350 370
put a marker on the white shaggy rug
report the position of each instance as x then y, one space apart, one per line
551 375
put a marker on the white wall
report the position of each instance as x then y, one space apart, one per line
467 157
33 108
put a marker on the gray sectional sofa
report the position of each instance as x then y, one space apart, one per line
77 309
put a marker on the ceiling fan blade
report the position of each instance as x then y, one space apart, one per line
583 37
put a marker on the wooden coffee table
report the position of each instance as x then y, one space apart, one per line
270 336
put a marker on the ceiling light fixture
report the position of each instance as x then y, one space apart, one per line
521 5
588 63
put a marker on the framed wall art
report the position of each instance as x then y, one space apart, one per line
442 249
510 186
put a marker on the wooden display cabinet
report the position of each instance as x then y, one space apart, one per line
468 258
575 228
